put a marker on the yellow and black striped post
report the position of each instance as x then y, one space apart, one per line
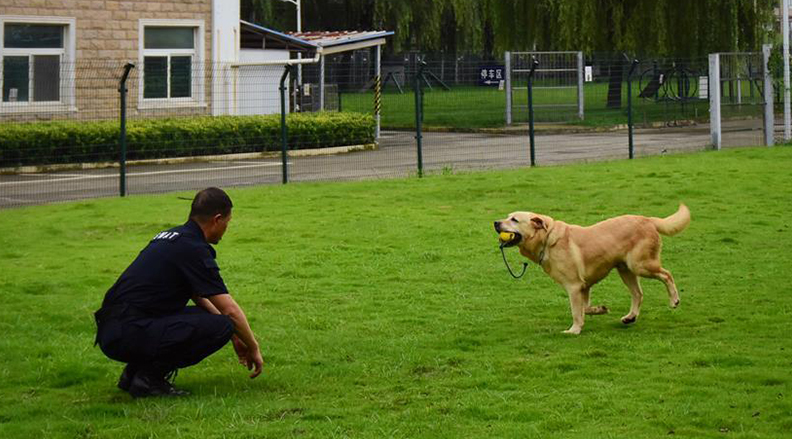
377 95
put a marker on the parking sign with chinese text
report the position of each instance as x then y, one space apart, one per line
490 75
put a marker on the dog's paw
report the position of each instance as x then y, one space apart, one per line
628 319
597 310
573 330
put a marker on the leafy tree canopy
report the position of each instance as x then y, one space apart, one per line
659 27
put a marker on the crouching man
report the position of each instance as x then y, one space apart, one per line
144 320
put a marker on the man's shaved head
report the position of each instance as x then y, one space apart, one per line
208 203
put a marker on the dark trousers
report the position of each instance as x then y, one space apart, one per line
166 342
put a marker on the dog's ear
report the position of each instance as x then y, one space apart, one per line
538 223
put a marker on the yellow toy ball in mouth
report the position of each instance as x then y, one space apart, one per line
506 236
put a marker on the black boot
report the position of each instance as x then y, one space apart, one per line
126 376
153 382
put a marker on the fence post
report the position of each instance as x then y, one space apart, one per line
629 106
581 83
284 129
419 113
714 90
377 92
507 65
122 89
769 120
534 64
785 50
321 83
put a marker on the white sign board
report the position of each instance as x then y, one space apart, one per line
703 87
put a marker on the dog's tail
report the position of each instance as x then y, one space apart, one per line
673 224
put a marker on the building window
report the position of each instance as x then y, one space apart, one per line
33 62
171 59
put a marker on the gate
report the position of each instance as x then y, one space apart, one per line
557 85
741 99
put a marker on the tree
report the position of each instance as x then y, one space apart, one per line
455 26
490 27
657 27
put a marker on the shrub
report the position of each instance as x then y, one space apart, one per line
82 142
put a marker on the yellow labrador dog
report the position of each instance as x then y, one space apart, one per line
578 257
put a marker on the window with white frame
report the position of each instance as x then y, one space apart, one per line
35 51
171 57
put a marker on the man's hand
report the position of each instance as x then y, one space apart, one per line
244 340
241 350
254 361
250 358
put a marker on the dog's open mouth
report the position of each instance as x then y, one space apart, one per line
508 239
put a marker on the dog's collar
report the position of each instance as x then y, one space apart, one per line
544 247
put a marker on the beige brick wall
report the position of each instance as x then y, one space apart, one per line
106 38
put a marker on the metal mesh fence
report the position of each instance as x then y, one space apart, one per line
671 106
558 86
742 98
190 126
43 106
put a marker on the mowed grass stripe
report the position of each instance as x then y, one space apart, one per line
384 310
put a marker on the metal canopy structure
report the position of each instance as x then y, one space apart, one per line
254 36
343 41
321 44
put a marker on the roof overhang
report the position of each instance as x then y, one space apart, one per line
335 42
327 50
254 36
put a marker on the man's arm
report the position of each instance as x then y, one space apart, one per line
203 302
239 347
226 305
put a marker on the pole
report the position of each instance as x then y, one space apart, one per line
787 108
299 30
507 65
299 55
122 136
714 90
377 91
534 64
581 82
321 83
629 106
419 113
769 120
284 129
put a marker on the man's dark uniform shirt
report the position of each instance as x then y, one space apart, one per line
145 320
176 265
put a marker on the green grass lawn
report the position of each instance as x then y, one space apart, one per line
384 310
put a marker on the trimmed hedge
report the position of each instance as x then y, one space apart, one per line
83 142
